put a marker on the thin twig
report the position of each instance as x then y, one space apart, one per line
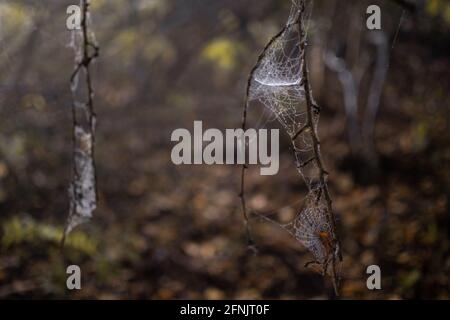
299 131
316 144
250 240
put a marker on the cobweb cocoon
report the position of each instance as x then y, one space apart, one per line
82 189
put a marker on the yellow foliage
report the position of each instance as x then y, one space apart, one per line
222 52
439 8
433 6
127 39
159 48
97 4
447 14
13 16
158 7
125 45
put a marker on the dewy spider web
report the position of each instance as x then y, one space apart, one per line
277 77
279 81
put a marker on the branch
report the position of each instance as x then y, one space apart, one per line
250 241
316 148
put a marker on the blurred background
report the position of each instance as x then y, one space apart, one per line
173 232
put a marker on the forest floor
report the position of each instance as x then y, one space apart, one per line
176 232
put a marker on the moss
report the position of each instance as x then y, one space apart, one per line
26 230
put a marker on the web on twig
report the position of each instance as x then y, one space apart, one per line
279 81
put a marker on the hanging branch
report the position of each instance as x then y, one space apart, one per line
83 186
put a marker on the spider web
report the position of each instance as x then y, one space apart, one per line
310 228
277 84
277 77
